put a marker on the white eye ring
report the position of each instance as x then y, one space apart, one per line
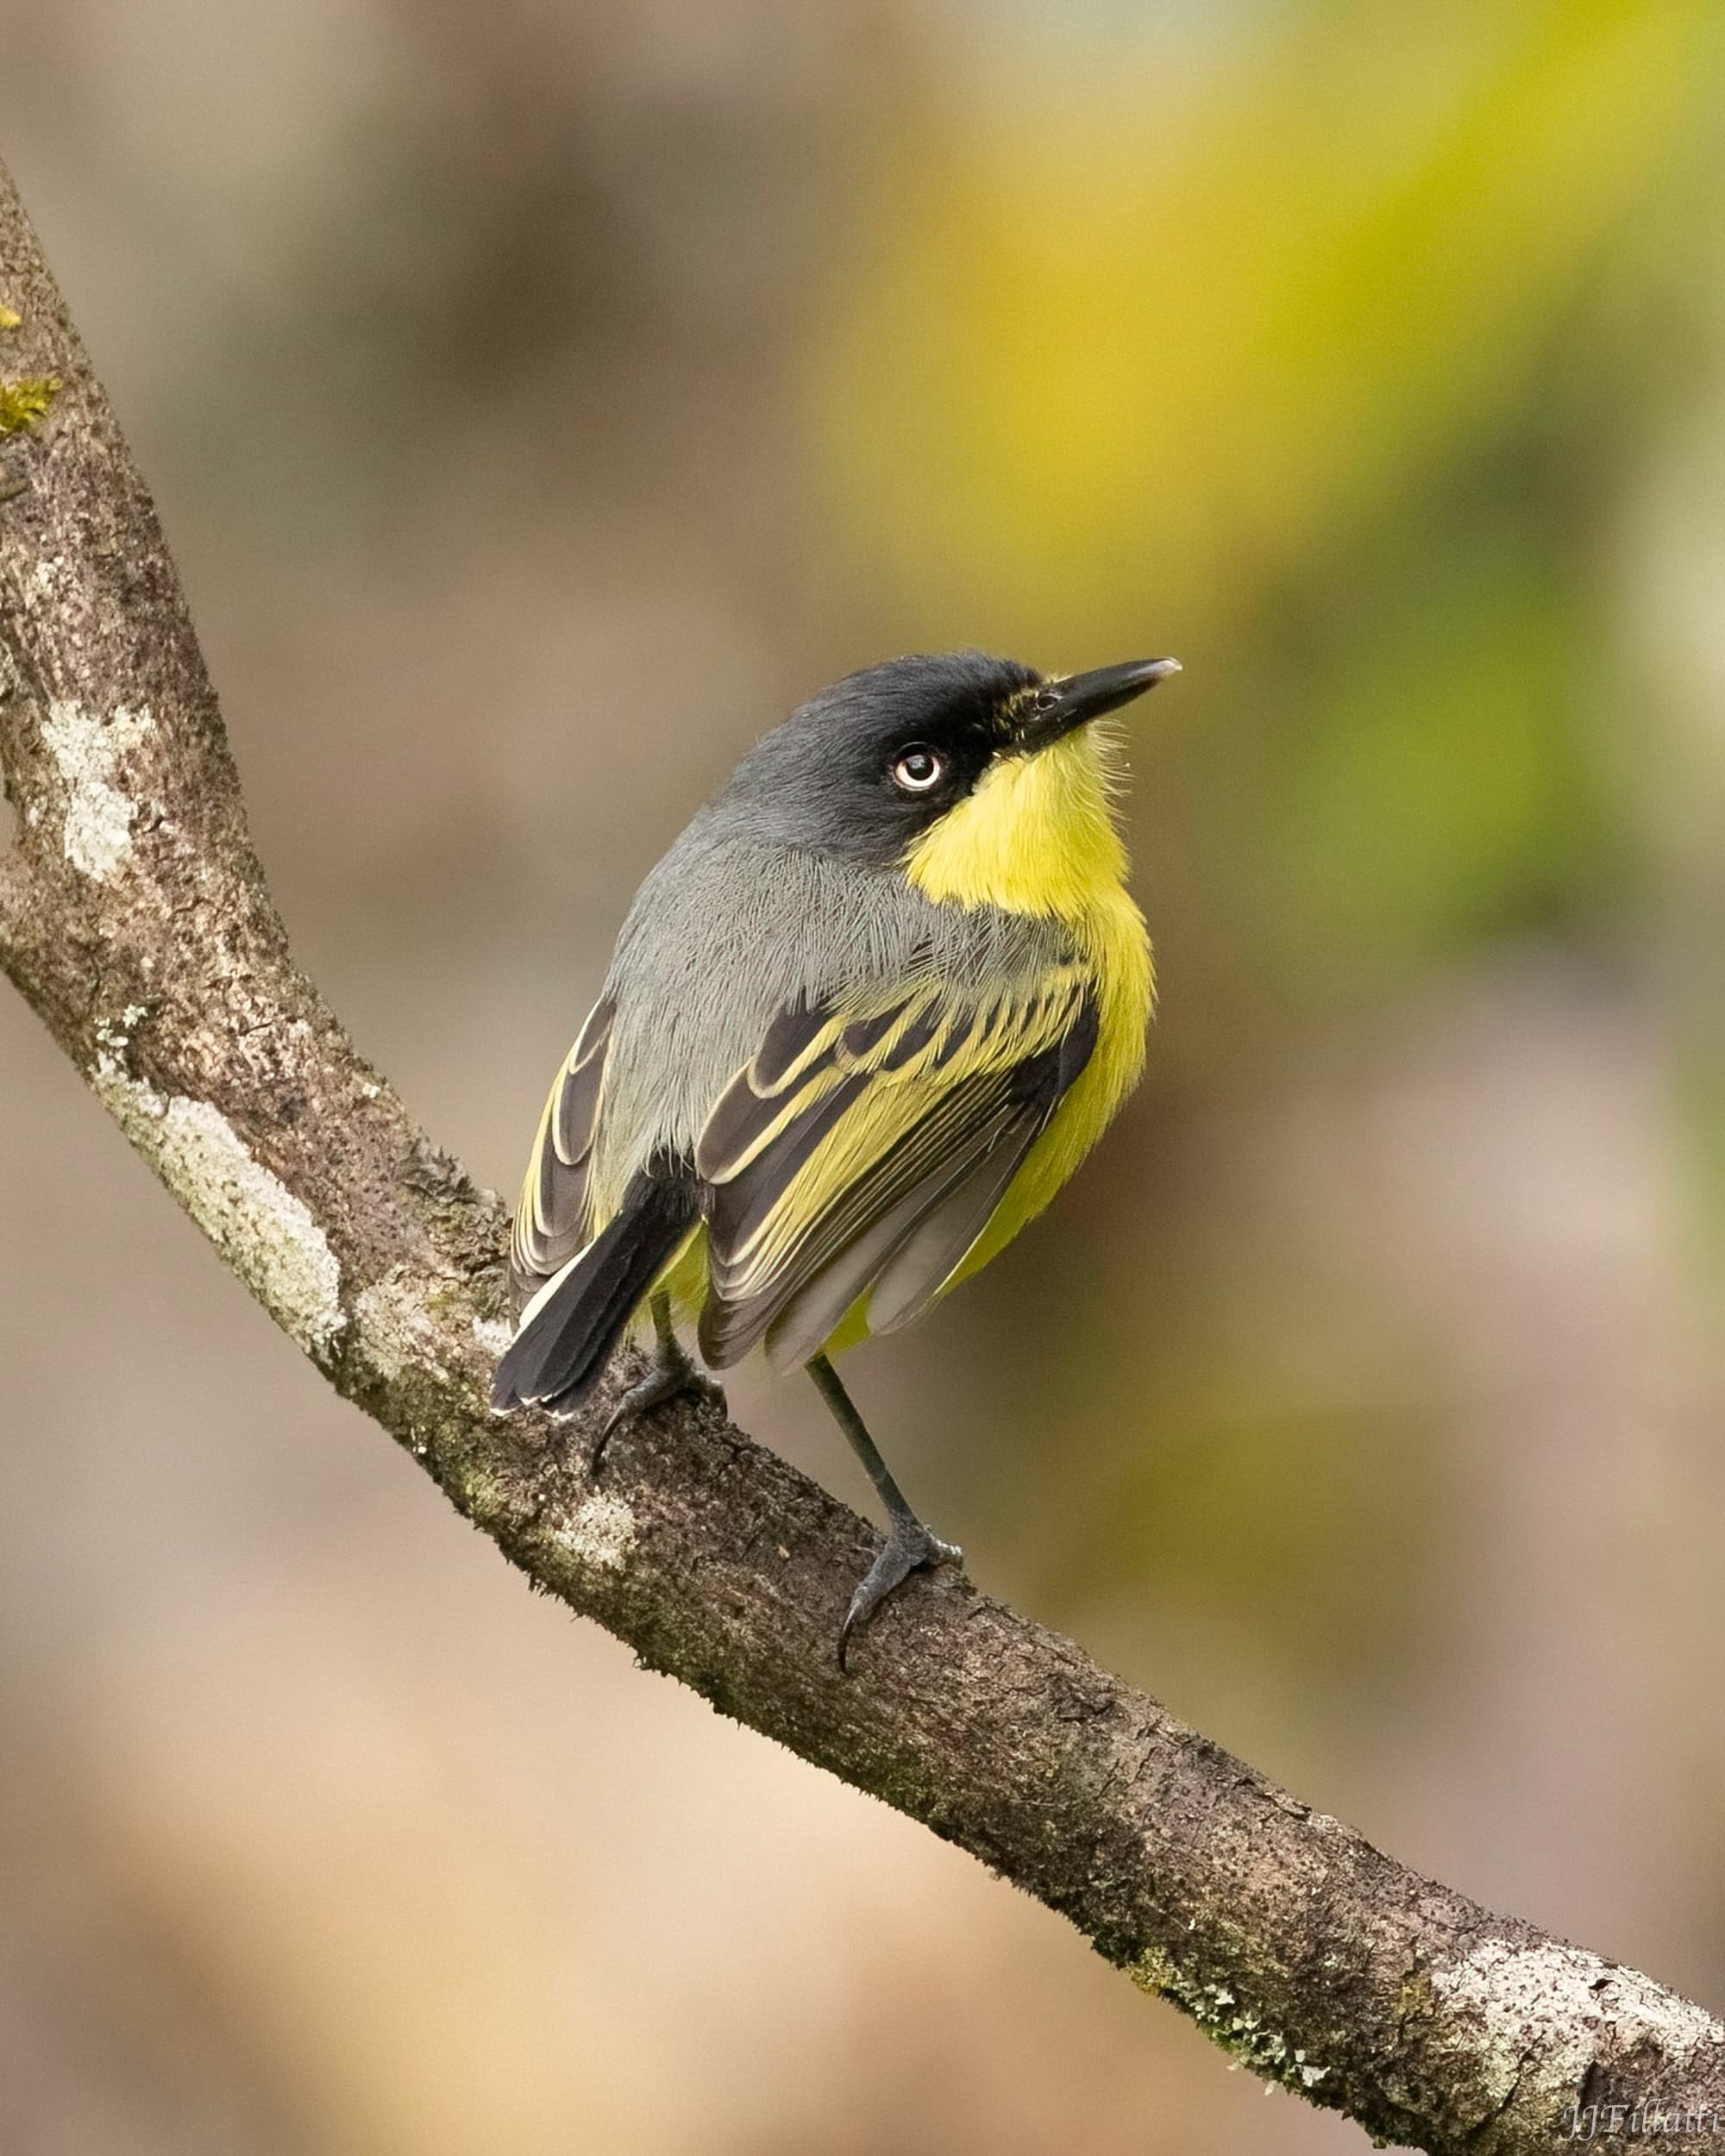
918 768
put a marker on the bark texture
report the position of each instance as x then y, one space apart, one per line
134 917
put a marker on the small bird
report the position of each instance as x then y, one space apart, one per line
862 1021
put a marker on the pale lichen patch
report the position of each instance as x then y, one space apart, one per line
266 1233
86 750
46 583
493 1334
602 1531
397 1332
1572 1998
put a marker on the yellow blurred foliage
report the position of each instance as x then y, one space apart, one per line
1098 361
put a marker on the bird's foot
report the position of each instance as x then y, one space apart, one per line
909 1547
669 1374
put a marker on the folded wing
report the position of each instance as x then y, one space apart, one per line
551 1215
865 1147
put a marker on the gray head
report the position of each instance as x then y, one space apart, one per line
866 767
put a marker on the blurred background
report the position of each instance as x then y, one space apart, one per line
540 399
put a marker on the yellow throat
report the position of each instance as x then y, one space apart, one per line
1038 836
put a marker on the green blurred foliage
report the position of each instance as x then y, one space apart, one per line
1105 362
1425 787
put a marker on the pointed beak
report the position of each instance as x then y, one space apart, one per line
1060 707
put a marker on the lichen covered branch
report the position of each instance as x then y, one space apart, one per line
134 917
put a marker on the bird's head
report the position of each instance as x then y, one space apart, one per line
975 776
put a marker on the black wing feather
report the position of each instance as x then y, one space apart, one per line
570 1330
903 1216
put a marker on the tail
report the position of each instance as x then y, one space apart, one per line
568 1332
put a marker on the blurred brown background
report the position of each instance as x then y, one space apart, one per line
543 398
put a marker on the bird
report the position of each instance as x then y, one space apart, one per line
862 1020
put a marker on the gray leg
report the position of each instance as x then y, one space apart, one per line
909 1545
670 1372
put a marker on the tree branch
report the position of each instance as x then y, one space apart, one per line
134 917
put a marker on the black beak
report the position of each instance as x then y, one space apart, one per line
1059 706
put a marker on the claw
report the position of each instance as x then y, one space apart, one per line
670 1374
909 1547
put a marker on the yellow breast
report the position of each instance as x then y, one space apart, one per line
1038 836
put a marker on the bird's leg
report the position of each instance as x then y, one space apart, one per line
909 1545
670 1372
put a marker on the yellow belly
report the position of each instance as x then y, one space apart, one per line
1038 836
1126 995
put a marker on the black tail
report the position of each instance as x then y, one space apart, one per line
565 1343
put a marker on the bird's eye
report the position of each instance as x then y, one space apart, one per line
916 769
